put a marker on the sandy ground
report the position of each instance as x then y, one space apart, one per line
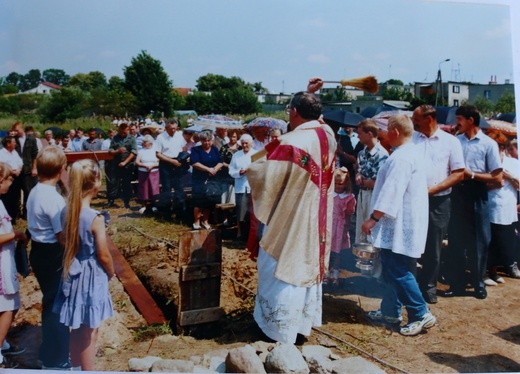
471 335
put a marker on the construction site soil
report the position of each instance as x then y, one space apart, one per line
471 335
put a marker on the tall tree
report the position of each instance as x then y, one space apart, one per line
89 81
484 105
258 88
67 103
146 79
228 95
56 76
506 103
13 78
30 80
116 83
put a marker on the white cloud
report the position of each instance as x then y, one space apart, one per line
318 59
500 30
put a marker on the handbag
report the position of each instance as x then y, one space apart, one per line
21 259
184 159
213 189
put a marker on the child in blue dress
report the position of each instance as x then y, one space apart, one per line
84 300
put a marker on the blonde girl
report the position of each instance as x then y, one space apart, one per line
9 296
84 301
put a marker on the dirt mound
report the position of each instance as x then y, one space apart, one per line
471 336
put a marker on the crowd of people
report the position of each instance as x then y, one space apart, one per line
425 189
302 200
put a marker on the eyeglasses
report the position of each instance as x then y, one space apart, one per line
288 109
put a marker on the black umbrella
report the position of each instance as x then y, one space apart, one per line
446 115
369 112
342 118
508 117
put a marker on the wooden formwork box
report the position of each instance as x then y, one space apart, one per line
200 272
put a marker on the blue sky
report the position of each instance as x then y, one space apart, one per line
280 43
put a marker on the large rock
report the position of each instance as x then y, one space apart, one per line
285 358
173 366
355 365
216 360
142 364
318 358
244 360
262 349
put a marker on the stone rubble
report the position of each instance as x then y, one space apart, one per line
260 357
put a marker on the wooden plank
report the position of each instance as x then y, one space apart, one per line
143 301
200 261
94 155
195 317
200 247
194 272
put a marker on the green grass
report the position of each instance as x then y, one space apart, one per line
6 121
144 333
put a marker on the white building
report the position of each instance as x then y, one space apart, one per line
43 88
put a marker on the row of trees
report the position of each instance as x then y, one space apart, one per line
145 88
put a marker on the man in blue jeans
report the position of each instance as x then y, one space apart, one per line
398 224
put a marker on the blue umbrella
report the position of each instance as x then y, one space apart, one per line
269 122
342 118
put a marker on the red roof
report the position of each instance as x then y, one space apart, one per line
183 91
52 85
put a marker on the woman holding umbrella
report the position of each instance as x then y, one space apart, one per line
206 188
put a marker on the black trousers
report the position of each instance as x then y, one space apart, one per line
469 234
172 177
439 217
46 262
122 182
28 182
110 179
502 249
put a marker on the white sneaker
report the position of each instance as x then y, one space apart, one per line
142 210
489 282
415 328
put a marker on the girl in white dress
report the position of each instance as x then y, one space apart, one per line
9 296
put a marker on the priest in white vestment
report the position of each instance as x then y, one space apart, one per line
291 186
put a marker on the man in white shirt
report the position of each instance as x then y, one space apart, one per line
398 224
445 168
168 145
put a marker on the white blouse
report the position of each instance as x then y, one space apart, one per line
502 201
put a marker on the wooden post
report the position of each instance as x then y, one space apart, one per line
200 264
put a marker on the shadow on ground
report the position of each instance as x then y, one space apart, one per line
490 363
511 334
